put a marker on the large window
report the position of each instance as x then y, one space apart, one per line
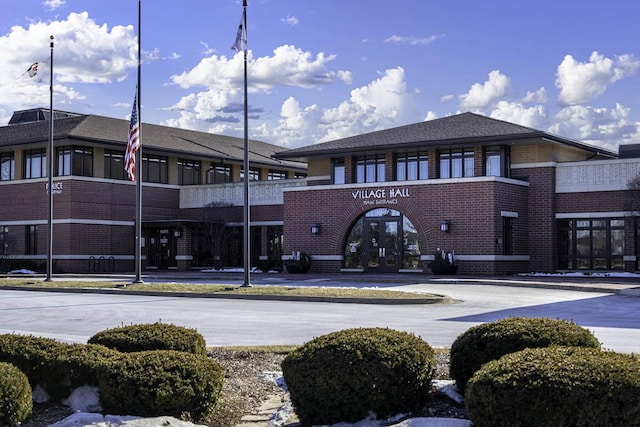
31 240
276 174
114 164
7 167
254 174
338 171
412 167
456 163
188 172
155 169
219 174
75 161
497 161
35 163
370 169
591 244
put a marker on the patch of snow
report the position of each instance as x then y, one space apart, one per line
22 271
39 395
84 399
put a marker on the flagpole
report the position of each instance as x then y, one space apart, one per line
247 217
50 174
138 239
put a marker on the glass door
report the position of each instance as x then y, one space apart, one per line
382 243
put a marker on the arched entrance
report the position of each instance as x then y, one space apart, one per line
382 241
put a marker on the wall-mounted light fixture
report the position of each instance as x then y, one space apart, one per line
316 228
177 232
445 225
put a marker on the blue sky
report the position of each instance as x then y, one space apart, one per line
326 69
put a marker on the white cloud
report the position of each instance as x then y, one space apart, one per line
481 96
516 112
53 4
446 98
84 52
290 20
580 82
411 40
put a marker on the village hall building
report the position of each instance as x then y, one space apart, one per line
500 197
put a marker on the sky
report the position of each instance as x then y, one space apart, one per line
320 70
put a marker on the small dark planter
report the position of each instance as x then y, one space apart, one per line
299 266
442 269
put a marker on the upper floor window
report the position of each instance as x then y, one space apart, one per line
370 169
7 167
219 174
456 163
338 171
155 169
299 175
75 161
412 167
276 174
114 165
188 172
254 174
35 163
496 161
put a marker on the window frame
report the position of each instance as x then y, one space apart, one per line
338 171
588 244
114 164
30 165
160 173
370 169
276 174
404 163
456 163
216 171
189 172
8 165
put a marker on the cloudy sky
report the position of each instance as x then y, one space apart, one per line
325 69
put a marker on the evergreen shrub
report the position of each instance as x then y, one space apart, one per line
16 402
154 336
345 376
28 353
489 341
74 365
161 382
556 386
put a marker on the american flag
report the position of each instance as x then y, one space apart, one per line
241 37
33 70
133 144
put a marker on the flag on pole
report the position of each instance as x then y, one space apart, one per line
33 69
241 38
133 142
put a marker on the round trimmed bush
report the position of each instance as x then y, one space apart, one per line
556 386
74 365
28 353
155 336
161 382
489 341
346 375
16 403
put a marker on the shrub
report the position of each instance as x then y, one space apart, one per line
556 386
74 365
161 382
490 341
27 353
155 336
16 403
346 375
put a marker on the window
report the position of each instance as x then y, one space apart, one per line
370 169
155 169
412 167
31 240
299 175
591 244
188 172
4 240
220 174
35 163
456 163
276 174
338 171
75 161
7 167
507 235
254 174
497 161
114 164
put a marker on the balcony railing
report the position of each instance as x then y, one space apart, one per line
260 193
601 175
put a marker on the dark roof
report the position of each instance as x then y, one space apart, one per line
465 128
110 131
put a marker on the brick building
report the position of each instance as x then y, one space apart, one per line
504 198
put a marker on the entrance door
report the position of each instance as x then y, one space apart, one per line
382 242
161 253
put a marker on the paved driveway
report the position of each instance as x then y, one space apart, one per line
614 318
